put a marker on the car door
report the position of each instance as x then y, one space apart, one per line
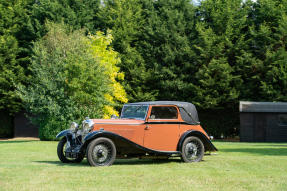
162 128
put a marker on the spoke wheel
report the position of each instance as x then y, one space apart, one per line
62 145
101 152
192 149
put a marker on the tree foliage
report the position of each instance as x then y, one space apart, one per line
72 76
127 21
219 45
212 53
167 47
77 14
21 24
11 70
268 39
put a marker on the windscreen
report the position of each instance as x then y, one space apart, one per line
134 112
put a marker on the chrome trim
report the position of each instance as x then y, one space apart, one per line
74 126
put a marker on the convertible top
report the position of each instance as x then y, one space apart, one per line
187 110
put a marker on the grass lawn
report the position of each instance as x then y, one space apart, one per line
33 165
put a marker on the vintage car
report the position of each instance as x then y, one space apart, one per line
156 129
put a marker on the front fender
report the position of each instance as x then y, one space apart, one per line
91 135
63 133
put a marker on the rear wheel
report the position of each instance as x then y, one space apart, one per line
61 153
101 152
192 149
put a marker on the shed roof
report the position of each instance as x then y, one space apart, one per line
263 107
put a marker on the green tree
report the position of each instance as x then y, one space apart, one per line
125 18
166 49
267 41
274 84
77 14
221 52
11 71
22 22
72 76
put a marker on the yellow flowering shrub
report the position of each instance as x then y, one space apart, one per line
108 58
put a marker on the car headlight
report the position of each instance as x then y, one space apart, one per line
87 125
74 126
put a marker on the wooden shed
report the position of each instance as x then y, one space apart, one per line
263 121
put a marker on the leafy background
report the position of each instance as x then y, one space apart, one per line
212 53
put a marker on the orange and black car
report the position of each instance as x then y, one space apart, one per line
156 129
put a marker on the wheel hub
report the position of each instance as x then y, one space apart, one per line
191 149
100 153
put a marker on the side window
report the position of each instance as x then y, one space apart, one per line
168 112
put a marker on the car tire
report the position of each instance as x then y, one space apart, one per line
192 150
61 154
101 152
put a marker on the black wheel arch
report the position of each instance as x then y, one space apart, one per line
122 141
96 134
205 140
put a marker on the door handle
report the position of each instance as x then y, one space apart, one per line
146 127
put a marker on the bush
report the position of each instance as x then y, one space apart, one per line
73 76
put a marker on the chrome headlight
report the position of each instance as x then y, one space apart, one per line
87 125
74 126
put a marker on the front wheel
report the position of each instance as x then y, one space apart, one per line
192 149
61 153
101 152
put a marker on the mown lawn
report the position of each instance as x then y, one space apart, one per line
33 165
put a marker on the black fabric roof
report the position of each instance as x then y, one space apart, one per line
187 110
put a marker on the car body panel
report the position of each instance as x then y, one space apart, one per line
154 134
185 127
130 129
118 121
117 138
162 134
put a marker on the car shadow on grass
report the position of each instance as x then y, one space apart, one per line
258 151
117 162
59 163
144 161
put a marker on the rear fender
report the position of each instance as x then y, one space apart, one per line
207 143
